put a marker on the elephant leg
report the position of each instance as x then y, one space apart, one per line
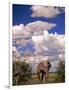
46 78
42 76
38 75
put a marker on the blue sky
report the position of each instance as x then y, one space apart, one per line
22 14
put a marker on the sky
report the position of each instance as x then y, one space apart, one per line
22 14
38 31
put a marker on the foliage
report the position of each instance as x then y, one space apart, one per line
61 72
21 72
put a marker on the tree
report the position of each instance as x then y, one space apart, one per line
61 71
21 73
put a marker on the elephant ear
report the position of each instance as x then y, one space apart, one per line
49 64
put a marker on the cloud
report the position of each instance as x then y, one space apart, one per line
14 49
45 11
21 34
15 54
38 26
49 44
21 31
21 42
43 42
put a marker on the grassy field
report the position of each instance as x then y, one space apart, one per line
34 80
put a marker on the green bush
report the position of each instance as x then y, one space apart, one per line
61 72
21 72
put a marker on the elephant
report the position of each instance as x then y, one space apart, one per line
42 70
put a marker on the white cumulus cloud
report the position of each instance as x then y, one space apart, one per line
18 31
49 44
15 54
21 33
45 11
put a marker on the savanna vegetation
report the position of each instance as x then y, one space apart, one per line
22 74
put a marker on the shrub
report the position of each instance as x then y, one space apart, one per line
21 72
61 72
